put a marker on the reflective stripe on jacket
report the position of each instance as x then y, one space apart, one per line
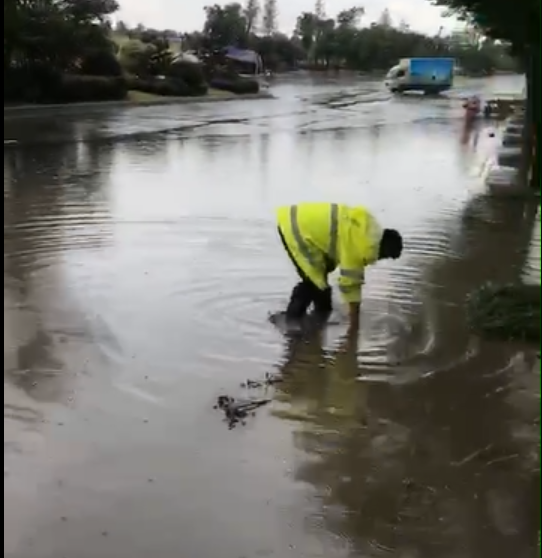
348 236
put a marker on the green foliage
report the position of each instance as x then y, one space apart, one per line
278 51
181 79
100 63
80 89
134 56
224 26
507 311
44 40
145 57
31 84
166 87
41 84
191 74
251 13
58 33
517 23
322 43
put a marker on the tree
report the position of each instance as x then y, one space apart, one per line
279 52
121 28
225 26
326 46
306 28
135 57
101 63
251 13
350 18
319 9
403 26
43 40
54 31
341 43
346 34
385 19
270 17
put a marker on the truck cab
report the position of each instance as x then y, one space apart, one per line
396 78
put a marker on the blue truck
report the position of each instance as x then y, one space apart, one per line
426 75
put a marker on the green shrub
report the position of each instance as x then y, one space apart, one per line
239 86
101 63
172 87
507 311
81 89
34 83
192 74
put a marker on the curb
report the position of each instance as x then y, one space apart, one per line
38 110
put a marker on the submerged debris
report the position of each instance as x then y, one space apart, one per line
269 380
237 410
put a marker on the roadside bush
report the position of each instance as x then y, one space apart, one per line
510 312
101 63
38 84
239 86
82 89
34 83
135 57
191 74
168 87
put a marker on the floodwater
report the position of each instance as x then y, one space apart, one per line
141 261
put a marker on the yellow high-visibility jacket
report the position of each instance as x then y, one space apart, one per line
347 236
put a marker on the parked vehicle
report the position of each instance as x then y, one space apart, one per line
431 76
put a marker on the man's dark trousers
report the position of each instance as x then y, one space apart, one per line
306 292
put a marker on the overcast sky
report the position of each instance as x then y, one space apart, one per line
188 15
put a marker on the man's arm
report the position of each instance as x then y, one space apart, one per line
350 282
353 312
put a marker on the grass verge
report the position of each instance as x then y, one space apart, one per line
140 97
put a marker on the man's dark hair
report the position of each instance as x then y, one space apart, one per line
391 245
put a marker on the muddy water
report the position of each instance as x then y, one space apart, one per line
138 276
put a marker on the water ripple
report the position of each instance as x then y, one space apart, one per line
137 284
236 277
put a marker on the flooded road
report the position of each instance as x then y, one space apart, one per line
141 261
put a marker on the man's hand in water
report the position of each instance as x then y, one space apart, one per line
349 344
353 328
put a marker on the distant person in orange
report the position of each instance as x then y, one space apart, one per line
473 107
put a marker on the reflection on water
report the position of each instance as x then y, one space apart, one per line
433 468
138 276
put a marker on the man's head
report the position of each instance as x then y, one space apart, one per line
391 245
